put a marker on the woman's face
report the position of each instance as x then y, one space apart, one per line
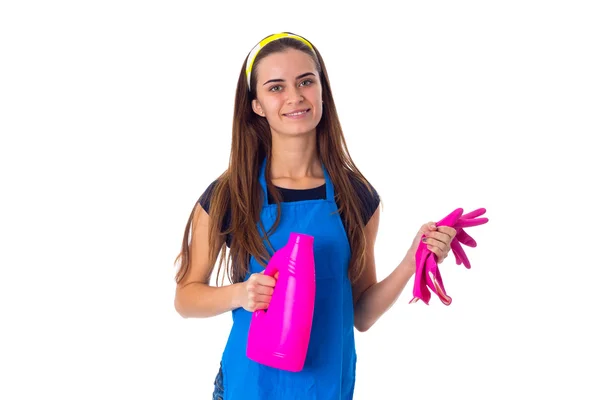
288 92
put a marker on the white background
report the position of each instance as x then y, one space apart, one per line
116 115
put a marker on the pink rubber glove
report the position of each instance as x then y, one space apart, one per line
427 273
466 220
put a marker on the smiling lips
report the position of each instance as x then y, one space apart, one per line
297 113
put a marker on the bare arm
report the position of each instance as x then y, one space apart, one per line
194 297
371 298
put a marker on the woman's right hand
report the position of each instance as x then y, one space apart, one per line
256 291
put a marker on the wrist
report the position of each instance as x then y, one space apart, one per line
236 298
408 265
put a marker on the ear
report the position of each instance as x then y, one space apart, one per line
257 108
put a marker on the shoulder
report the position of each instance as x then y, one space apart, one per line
368 196
206 196
209 193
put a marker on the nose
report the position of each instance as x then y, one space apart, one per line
295 96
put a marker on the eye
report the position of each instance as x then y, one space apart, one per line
276 88
306 82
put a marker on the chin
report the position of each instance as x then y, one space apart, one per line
298 130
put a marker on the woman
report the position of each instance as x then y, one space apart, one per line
290 171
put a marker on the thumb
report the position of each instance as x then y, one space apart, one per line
430 226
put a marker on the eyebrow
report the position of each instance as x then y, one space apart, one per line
281 80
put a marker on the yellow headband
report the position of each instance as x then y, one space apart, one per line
266 41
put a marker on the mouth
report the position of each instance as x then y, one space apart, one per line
297 113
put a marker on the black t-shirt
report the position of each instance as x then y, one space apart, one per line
368 201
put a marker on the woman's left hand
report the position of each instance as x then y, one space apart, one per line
437 238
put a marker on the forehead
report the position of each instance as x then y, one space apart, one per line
285 65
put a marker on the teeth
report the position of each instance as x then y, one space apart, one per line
297 113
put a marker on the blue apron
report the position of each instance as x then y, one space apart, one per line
329 370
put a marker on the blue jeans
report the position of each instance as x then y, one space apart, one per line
218 392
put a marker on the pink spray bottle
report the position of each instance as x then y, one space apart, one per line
279 336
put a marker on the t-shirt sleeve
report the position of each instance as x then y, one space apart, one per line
205 198
369 200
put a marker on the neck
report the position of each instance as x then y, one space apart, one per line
295 157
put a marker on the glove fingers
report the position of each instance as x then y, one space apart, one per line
464 238
453 246
464 223
451 219
475 213
457 257
463 257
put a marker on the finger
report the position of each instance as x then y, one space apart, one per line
263 290
448 230
428 227
261 298
258 306
439 252
441 240
439 248
435 250
265 280
250 283
440 236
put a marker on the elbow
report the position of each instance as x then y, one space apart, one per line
361 321
180 307
361 325
188 305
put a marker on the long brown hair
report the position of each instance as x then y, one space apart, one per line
238 189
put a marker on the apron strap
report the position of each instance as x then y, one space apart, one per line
263 182
328 185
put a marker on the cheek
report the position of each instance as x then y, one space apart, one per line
318 104
315 97
314 94
272 105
